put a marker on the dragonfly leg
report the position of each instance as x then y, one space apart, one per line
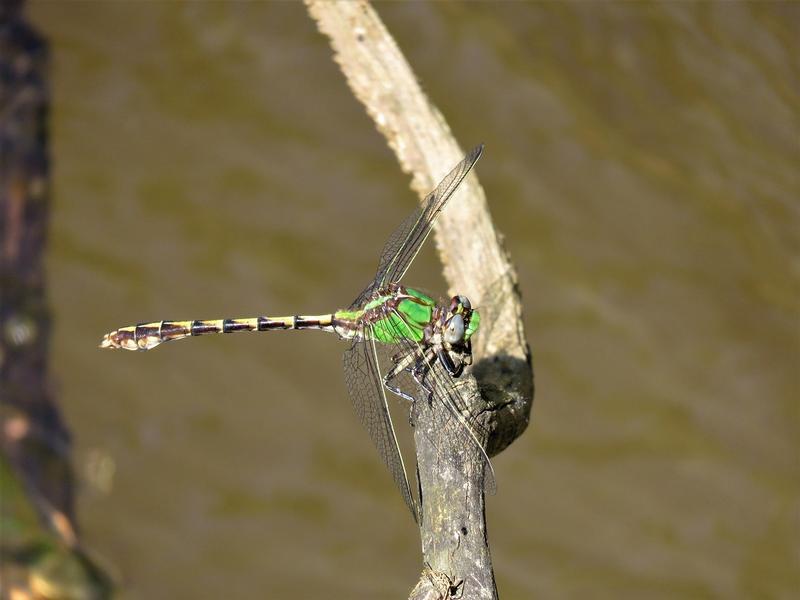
404 362
419 377
400 366
421 370
454 369
396 390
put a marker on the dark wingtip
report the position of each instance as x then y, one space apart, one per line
473 155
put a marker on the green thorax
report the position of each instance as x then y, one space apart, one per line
401 315
410 311
395 317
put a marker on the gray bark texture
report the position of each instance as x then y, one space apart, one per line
456 558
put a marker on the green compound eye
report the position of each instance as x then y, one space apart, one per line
474 321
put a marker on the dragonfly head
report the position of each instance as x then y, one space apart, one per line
460 322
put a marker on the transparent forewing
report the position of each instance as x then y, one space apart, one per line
455 420
404 244
365 386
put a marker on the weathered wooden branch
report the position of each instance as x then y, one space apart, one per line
453 528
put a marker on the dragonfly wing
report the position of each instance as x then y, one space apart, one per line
405 242
456 420
365 386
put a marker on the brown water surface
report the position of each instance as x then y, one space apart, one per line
642 162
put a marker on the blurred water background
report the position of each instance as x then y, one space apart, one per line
642 162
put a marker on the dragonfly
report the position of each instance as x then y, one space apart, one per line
425 345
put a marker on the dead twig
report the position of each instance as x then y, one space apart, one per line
453 528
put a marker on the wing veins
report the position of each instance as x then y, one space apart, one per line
443 388
405 242
362 375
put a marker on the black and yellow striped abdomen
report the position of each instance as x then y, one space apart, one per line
146 336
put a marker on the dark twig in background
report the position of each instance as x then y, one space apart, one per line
34 440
